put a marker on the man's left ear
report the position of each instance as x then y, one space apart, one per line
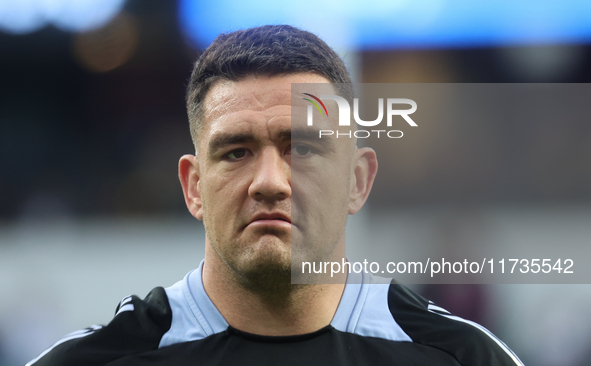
364 172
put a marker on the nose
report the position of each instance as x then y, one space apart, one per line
272 176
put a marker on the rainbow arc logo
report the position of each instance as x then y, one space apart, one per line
315 104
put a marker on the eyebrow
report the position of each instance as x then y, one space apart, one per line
303 134
311 135
300 134
225 139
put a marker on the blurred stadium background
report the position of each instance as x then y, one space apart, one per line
92 124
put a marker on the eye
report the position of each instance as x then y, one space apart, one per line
236 154
301 150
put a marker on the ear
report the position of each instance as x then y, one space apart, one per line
365 168
189 177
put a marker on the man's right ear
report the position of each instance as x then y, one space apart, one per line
189 177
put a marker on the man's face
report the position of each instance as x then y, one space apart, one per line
251 208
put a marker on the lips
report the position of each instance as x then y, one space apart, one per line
270 220
277 216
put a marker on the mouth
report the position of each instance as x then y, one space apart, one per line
271 219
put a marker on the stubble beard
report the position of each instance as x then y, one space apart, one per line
272 268
267 272
263 269
314 251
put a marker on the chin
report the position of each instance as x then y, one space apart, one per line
266 270
267 249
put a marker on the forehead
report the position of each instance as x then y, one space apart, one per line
253 91
256 101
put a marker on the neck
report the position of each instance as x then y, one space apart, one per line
291 310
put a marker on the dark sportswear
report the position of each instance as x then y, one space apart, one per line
375 324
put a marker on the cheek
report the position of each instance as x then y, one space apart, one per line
321 201
221 194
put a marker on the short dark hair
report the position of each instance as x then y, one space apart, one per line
269 50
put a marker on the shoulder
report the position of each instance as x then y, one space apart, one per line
138 326
194 316
428 324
